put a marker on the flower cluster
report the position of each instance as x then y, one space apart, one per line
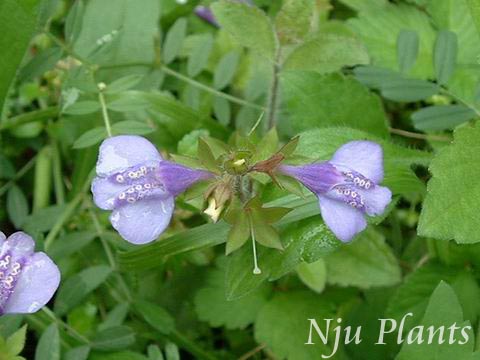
28 279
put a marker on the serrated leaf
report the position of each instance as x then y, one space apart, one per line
249 25
17 206
366 262
293 20
313 275
212 306
437 117
327 53
452 203
407 49
48 347
90 138
290 313
445 55
174 40
315 100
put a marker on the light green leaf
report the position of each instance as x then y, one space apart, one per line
17 206
379 27
366 262
407 50
174 40
314 100
293 20
82 108
198 59
90 138
249 25
474 7
114 338
48 347
453 199
124 83
212 306
156 316
225 70
445 55
443 310
172 352
130 127
74 290
78 353
73 23
327 52
283 325
18 20
16 342
313 275
438 117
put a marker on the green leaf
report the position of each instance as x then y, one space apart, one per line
225 70
78 353
265 234
17 206
154 353
115 317
18 19
90 138
70 244
453 199
121 102
132 128
174 40
445 55
198 59
443 310
122 355
73 22
446 117
126 35
113 338
156 316
222 110
43 219
249 25
314 100
82 108
293 20
39 64
474 7
172 352
124 83
205 155
408 90
283 324
375 77
327 52
407 49
16 342
379 27
48 347
364 263
239 232
212 307
75 289
313 275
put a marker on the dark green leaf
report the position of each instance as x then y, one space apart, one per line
407 49
445 55
90 138
114 338
408 90
446 117
17 206
156 316
48 347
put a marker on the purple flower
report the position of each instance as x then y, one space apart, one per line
28 279
139 186
346 186
206 13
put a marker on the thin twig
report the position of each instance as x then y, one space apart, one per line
413 135
252 352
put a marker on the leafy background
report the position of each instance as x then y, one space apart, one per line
403 73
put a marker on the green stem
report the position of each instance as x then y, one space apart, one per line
210 89
413 135
272 101
67 327
57 175
18 175
103 104
37 115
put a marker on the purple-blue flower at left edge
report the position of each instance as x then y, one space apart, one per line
139 186
206 13
28 279
346 186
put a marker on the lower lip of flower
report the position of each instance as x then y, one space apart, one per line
9 273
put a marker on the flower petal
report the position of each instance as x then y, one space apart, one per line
20 244
105 191
2 238
143 221
343 220
317 177
177 178
376 199
365 157
121 152
36 285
